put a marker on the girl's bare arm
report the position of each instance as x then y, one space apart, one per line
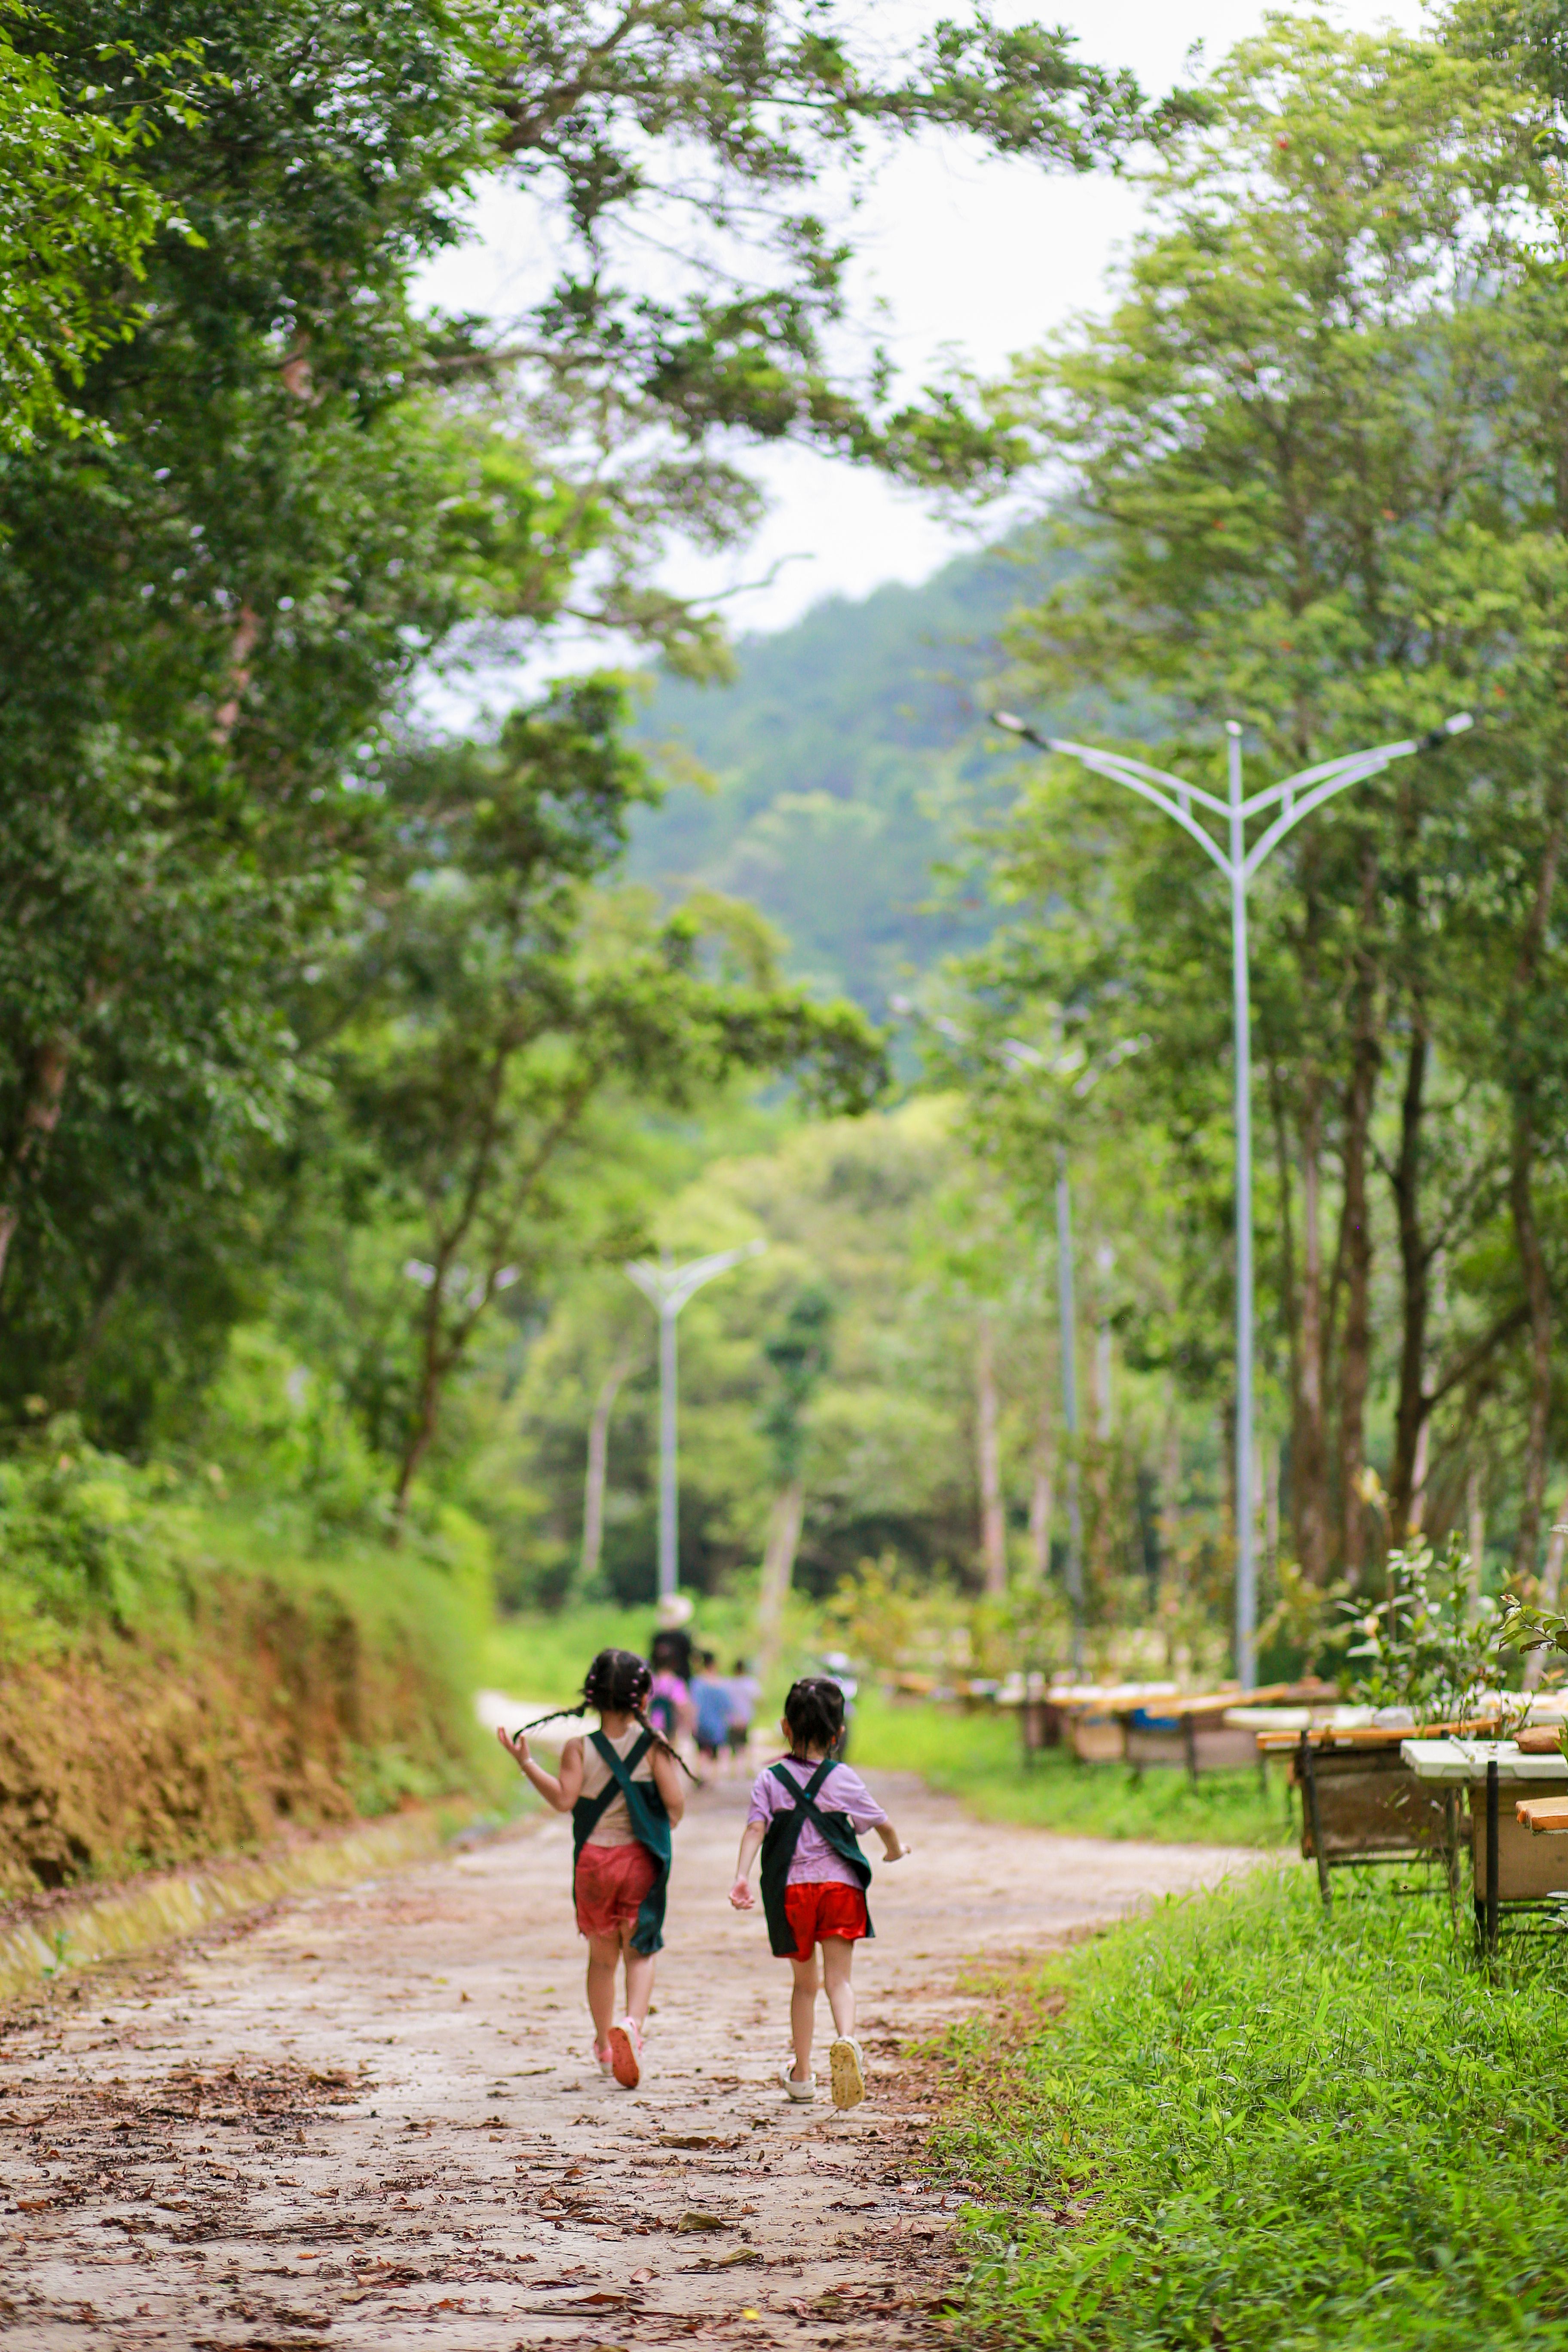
740 1894
560 1791
667 1781
893 1847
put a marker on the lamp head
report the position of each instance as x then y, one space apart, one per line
1007 719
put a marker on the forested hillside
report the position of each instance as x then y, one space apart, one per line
838 780
840 769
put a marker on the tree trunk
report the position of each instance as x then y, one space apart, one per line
1414 1264
433 1367
40 1117
1270 1483
1537 1294
778 1566
1416 1520
1171 1526
1476 1530
1042 1493
988 1456
1526 1227
1355 1249
1537 1661
598 1458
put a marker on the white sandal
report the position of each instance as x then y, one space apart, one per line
803 2092
847 2068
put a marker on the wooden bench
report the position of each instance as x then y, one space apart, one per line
1193 1734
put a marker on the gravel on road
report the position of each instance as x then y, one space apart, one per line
372 2118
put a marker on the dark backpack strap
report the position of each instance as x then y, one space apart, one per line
650 1827
622 1768
588 1812
835 1827
783 1836
798 1790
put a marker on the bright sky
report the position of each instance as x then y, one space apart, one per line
980 255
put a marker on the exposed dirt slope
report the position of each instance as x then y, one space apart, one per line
373 2120
267 1707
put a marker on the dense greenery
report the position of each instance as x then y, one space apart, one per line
884 1217
233 877
1303 502
342 1065
1243 2121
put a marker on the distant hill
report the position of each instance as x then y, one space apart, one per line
847 757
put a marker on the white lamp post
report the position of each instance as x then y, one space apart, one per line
667 1287
1296 798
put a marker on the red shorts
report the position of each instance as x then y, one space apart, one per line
609 1885
816 1907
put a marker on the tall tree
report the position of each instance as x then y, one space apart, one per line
800 1352
1277 445
288 493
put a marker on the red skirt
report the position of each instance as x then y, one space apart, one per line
816 1907
610 1884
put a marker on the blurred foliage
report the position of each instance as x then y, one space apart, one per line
1432 1644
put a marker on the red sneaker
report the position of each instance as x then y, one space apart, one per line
626 2052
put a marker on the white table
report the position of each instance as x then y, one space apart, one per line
1501 1848
1458 1763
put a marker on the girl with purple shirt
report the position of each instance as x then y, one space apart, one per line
804 1815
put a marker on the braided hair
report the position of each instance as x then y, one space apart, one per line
617 1683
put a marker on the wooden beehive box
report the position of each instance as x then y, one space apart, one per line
1371 1806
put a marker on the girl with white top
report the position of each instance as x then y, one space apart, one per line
622 1788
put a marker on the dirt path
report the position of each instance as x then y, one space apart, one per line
372 2118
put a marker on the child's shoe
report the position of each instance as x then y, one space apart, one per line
803 2092
606 2062
626 2052
846 2066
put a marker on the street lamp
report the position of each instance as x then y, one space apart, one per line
1297 798
667 1287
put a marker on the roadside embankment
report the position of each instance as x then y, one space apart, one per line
179 1682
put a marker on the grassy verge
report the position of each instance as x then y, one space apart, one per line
1240 2124
976 1757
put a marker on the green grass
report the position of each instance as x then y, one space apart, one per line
976 1757
1239 2122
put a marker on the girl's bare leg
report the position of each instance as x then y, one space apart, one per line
837 1957
803 2014
640 1979
604 1954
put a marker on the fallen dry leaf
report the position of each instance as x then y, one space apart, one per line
689 2221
